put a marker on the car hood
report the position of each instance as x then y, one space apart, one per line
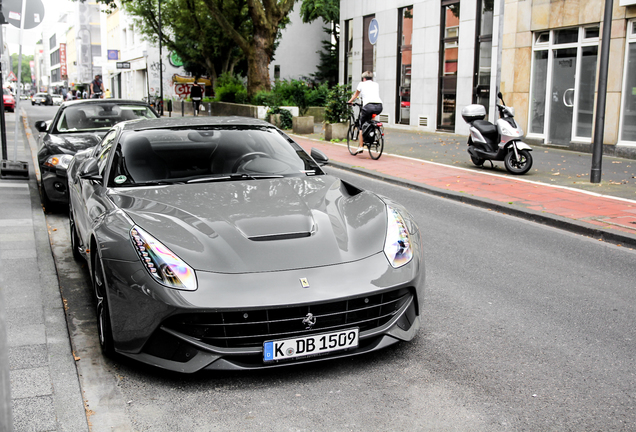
260 225
71 143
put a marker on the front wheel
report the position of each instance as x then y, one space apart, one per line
377 146
104 329
518 166
352 139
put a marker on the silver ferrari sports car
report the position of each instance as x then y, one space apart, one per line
219 243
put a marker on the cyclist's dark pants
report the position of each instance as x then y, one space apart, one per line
368 110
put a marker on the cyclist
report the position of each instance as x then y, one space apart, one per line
96 88
369 92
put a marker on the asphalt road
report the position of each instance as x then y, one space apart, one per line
525 328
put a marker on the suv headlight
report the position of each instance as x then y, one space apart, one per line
59 161
397 246
162 264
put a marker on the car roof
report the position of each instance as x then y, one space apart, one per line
103 101
178 122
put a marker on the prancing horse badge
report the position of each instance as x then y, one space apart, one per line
304 282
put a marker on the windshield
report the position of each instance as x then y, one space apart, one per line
103 116
197 155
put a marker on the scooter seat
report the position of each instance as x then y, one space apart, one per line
487 129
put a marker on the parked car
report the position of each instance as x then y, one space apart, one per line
57 99
78 125
41 99
219 243
9 100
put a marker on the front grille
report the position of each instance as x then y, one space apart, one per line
250 328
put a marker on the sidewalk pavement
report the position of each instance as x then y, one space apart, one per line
45 389
44 386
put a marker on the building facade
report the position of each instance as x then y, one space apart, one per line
555 48
434 57
430 57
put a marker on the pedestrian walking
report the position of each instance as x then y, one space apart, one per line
196 94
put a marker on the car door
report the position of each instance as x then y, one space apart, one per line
90 195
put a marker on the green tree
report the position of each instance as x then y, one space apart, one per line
26 67
189 30
267 17
329 12
255 36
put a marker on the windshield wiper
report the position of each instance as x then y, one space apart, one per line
158 182
241 176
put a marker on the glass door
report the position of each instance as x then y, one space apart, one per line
562 98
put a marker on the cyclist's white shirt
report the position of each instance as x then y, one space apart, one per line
369 92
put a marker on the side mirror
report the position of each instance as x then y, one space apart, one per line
319 156
89 169
41 126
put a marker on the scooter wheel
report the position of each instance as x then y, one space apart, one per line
477 161
518 166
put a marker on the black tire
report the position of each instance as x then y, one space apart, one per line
520 166
352 139
75 243
104 329
377 146
477 161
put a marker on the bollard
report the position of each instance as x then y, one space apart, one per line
182 108
169 107
209 109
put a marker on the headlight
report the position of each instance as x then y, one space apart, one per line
162 264
58 161
397 246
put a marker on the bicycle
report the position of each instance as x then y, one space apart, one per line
374 141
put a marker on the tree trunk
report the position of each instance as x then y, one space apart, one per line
258 61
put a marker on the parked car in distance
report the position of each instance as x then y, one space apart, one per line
9 100
78 125
57 99
219 243
41 99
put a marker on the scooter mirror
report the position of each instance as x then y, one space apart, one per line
500 95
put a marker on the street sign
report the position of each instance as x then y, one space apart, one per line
374 31
33 15
123 65
12 76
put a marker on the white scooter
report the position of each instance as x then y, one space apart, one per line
502 142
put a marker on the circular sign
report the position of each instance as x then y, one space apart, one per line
33 14
175 60
374 31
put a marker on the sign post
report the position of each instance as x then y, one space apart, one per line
22 14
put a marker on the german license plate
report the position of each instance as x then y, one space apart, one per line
307 346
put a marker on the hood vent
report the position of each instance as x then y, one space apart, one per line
287 236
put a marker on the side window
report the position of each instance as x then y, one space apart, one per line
104 150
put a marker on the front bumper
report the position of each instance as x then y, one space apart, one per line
148 319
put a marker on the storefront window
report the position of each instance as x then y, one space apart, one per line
483 54
348 63
563 85
628 115
368 49
449 50
404 55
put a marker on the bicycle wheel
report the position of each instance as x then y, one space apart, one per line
352 138
377 146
